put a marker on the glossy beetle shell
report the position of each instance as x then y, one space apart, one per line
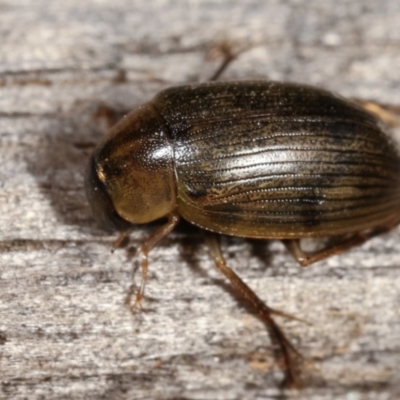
256 159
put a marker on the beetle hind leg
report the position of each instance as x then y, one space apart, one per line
306 259
390 115
290 355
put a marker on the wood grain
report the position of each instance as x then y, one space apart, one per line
64 330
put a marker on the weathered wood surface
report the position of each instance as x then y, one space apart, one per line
64 330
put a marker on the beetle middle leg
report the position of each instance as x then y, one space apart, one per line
152 241
289 353
305 259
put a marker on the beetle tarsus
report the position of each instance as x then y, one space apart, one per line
288 316
137 304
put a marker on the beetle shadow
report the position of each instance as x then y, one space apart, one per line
193 238
190 248
190 242
59 160
260 249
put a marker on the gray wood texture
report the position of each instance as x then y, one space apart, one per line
64 330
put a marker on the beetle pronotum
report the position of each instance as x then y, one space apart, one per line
264 160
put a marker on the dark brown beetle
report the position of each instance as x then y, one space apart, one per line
264 160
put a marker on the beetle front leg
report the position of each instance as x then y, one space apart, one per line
152 241
121 239
289 353
305 259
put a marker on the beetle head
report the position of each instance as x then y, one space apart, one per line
102 206
130 178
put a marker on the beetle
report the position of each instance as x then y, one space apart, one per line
254 159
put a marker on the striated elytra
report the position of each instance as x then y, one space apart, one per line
264 160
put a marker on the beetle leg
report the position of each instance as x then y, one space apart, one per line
152 240
305 259
121 239
387 114
292 378
228 58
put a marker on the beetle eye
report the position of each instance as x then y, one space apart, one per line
102 206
